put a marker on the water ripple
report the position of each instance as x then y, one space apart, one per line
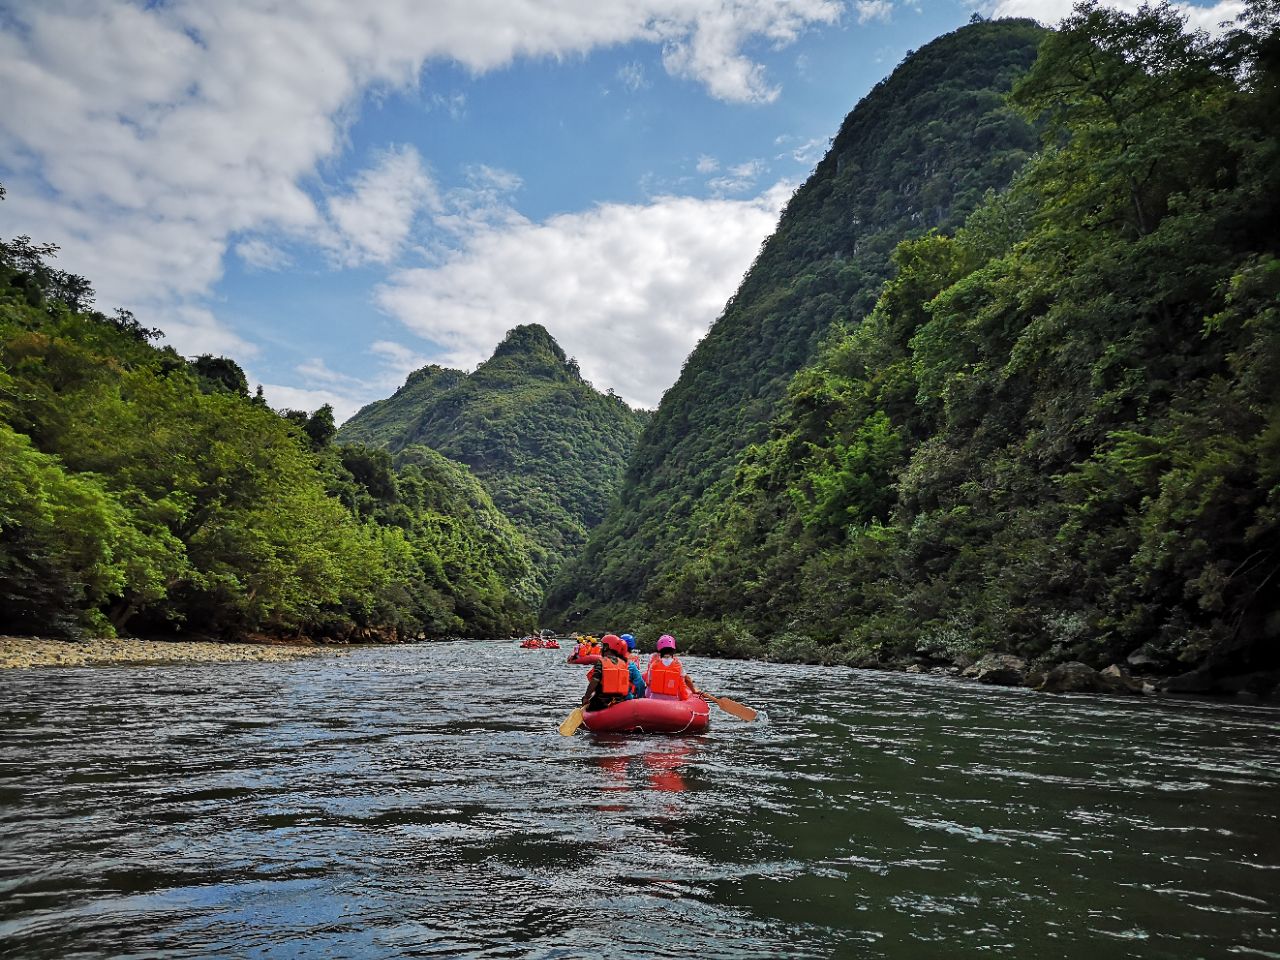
417 802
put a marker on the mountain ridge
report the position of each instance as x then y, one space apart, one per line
916 153
546 444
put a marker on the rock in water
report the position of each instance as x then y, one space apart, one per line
1119 679
1076 677
999 669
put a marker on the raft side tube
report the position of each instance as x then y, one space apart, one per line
645 715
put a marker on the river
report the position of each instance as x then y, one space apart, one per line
418 802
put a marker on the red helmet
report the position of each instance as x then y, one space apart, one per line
615 643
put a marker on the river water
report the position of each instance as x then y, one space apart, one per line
418 802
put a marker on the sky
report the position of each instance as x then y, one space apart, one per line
334 194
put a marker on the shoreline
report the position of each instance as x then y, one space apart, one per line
18 653
27 652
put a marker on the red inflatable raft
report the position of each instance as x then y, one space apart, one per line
585 661
647 715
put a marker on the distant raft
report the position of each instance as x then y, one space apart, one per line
646 715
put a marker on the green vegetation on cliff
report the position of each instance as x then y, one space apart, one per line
918 152
140 491
1058 432
546 444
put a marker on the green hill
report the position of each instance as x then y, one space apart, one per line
917 153
1057 434
379 424
143 492
546 444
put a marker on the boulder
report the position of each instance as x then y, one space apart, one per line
1196 681
1121 680
914 668
999 669
1072 677
1147 659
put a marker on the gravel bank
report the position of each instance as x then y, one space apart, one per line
36 652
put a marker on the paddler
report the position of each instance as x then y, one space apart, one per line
665 677
614 678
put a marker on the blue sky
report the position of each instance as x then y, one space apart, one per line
334 195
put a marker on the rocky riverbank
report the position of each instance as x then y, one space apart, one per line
1135 676
17 652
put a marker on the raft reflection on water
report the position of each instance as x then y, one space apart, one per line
659 768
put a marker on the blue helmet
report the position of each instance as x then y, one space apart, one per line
631 641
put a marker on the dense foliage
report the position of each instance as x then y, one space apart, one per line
549 448
143 492
919 151
1058 432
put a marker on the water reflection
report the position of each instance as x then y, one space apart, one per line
666 768
632 765
381 805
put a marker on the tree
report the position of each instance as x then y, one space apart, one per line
220 373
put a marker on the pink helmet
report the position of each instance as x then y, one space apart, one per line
666 642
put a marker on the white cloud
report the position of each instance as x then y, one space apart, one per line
493 180
1210 19
454 104
372 222
627 289
399 361
281 396
869 10
196 329
739 178
484 200
708 164
710 50
261 255
346 394
632 76
1051 12
144 138
811 151
807 152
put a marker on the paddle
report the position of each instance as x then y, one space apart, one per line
571 723
739 710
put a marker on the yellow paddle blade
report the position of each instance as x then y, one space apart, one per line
739 710
571 723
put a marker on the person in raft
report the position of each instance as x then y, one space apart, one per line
614 678
665 677
631 648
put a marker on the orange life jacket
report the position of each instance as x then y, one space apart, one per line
616 678
666 679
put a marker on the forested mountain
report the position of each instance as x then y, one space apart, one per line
380 423
546 444
1057 434
143 492
918 152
